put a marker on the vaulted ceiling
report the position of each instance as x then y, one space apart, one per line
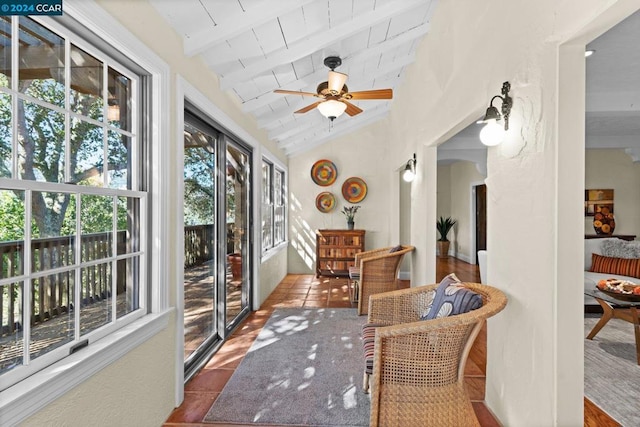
258 46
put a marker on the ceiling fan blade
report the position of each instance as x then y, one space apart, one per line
308 108
371 94
336 81
352 110
294 92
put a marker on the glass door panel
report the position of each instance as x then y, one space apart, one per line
200 284
237 227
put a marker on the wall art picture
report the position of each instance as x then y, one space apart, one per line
324 172
354 189
325 202
594 198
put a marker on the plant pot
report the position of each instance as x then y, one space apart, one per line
350 225
235 261
443 249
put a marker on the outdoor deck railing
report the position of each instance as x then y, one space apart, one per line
52 295
198 244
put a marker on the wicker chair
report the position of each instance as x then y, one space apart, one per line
418 365
376 271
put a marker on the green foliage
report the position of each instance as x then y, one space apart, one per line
444 225
12 214
350 212
199 186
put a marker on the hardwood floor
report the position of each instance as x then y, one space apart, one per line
308 291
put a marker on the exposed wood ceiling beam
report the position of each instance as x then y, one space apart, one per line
361 56
318 41
232 26
294 149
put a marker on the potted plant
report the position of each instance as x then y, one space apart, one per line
350 213
444 225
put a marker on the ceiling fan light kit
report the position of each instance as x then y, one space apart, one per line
332 109
493 133
335 95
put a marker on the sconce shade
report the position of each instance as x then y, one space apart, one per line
408 175
332 109
492 133
491 114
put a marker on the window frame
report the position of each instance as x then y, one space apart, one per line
26 397
30 366
272 203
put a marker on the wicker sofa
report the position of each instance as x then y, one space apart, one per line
418 365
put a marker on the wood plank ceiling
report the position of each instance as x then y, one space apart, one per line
257 46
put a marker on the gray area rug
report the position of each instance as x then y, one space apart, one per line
304 368
611 372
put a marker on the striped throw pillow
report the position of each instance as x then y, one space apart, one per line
622 266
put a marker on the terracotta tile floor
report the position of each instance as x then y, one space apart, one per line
293 291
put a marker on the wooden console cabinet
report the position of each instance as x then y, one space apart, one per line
336 251
627 237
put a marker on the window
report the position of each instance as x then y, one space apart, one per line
279 203
267 205
72 197
273 205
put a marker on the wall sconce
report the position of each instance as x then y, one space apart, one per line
493 133
410 169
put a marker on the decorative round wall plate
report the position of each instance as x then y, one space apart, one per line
354 189
324 172
325 202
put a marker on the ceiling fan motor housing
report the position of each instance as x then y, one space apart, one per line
323 89
332 62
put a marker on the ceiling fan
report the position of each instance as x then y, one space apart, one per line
335 95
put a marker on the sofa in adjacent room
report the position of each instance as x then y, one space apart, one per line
614 258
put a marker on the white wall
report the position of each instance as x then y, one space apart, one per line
613 168
360 155
137 390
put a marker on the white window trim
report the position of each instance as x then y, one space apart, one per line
30 395
277 247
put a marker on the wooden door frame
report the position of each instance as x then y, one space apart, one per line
472 221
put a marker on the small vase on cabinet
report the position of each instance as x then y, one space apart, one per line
350 225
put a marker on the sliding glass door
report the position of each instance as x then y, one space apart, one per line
217 260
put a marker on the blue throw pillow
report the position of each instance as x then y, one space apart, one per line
452 298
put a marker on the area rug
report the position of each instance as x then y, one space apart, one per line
611 371
304 368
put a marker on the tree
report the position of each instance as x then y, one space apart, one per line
41 154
